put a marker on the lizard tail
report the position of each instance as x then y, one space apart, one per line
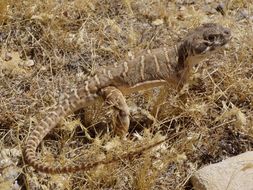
77 100
47 168
68 106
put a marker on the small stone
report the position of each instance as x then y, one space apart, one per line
7 56
43 68
29 63
157 22
242 14
182 8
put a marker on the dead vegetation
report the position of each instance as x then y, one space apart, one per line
50 47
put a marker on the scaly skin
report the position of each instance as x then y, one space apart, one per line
151 69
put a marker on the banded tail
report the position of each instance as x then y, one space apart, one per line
77 100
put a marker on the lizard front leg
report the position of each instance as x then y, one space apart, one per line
116 99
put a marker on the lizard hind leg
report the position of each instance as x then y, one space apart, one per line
116 99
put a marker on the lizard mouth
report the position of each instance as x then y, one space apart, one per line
223 42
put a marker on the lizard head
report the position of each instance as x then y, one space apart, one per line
207 38
201 42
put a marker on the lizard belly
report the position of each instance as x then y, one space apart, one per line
142 86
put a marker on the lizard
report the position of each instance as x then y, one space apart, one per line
156 67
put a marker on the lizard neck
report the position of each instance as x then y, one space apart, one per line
182 68
183 56
186 62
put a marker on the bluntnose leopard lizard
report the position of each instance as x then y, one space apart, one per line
151 69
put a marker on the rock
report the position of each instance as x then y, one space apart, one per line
29 63
242 14
157 22
7 56
9 171
233 173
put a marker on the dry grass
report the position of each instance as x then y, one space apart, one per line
49 47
